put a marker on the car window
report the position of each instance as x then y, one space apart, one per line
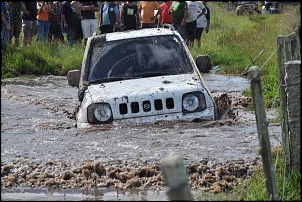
138 57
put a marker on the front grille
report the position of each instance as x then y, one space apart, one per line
146 106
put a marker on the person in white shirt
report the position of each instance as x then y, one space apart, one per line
203 23
191 20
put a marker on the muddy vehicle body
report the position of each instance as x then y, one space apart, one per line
247 7
272 7
141 76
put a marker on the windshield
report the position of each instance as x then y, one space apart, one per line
137 58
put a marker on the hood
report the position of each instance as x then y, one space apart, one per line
148 86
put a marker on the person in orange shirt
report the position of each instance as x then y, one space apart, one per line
42 21
165 16
146 9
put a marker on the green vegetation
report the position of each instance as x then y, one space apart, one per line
234 41
254 189
41 59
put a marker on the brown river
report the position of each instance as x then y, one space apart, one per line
40 144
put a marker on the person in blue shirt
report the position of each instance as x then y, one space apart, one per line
109 17
5 18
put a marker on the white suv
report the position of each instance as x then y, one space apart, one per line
141 76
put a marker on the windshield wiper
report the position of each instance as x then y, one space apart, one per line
109 79
151 74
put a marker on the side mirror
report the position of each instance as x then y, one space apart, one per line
203 63
73 77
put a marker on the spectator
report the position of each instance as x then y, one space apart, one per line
259 7
179 11
15 9
109 17
79 34
5 18
191 20
146 9
55 34
165 16
120 5
29 23
69 20
129 16
267 5
203 22
42 21
89 23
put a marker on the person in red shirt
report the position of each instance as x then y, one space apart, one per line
165 16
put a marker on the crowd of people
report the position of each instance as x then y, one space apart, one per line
77 20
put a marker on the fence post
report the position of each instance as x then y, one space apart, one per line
283 101
298 46
175 175
293 92
264 141
288 48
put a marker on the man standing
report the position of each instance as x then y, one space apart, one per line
179 11
5 18
146 9
69 19
89 23
191 20
15 9
29 23
109 17
55 30
203 23
165 16
129 16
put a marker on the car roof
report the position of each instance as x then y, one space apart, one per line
139 33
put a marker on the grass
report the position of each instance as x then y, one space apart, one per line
254 189
288 183
41 59
233 42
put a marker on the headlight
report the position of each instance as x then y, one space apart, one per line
99 113
193 102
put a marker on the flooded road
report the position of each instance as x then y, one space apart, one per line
38 127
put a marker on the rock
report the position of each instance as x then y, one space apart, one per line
73 77
203 63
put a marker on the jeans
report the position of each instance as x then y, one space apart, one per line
42 30
4 37
70 34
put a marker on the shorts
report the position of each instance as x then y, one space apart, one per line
16 27
89 26
148 25
191 30
106 29
199 31
29 27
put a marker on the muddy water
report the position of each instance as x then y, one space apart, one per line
38 125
